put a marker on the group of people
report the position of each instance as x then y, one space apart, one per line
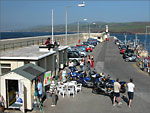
117 87
50 44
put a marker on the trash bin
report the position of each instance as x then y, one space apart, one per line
48 95
54 99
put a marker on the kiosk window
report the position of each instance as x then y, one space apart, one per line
5 68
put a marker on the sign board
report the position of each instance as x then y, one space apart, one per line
47 78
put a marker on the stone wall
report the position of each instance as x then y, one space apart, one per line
72 39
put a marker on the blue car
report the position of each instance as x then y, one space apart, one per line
82 47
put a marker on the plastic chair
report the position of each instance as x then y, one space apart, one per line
74 82
70 90
78 87
62 90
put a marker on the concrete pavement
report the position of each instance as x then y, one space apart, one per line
109 61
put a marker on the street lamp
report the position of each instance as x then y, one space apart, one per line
82 4
146 35
52 28
88 26
66 23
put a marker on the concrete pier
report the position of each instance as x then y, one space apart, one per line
14 43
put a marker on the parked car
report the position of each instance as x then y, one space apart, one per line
128 53
92 41
88 44
123 49
82 47
87 49
82 52
75 56
131 58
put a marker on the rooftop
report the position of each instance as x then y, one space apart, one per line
31 53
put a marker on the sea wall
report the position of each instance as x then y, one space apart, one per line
14 43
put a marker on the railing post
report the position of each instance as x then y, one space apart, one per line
4 47
13 45
27 43
20 44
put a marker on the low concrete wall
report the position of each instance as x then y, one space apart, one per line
8 44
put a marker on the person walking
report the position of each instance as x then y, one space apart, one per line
92 62
40 91
89 63
64 75
117 87
81 64
71 65
131 87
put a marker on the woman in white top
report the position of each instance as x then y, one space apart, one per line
131 87
71 65
64 75
81 65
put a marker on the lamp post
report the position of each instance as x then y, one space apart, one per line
66 26
87 26
52 28
146 35
78 29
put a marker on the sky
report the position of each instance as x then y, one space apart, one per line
20 14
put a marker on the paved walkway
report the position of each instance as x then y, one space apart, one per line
107 60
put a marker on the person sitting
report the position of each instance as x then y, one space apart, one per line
48 44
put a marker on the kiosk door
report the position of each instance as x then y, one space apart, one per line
21 95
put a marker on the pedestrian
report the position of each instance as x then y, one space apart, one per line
131 87
1 103
92 62
117 87
64 75
81 64
89 63
71 65
40 90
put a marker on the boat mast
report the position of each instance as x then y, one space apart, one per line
125 36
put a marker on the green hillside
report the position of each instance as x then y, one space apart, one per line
130 27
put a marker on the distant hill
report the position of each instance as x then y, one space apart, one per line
129 27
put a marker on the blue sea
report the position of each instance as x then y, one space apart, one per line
142 38
8 35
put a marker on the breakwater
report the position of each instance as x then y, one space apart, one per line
14 43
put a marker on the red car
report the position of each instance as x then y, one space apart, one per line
88 49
